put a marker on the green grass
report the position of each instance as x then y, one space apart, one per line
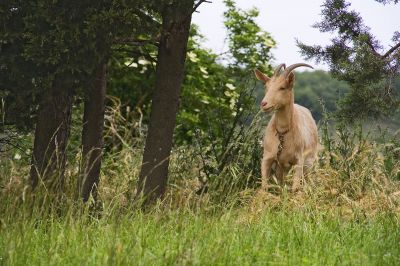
347 212
200 238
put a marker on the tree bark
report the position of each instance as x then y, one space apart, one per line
51 137
165 101
92 134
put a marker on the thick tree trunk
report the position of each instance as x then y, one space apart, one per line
51 137
165 102
92 134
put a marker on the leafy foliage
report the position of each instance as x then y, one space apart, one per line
44 40
249 45
223 99
208 93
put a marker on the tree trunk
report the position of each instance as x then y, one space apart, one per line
165 101
92 134
51 137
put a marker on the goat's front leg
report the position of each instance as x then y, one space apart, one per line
266 165
298 175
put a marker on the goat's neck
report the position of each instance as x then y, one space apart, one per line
284 118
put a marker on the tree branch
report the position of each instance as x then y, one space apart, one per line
391 50
195 8
199 3
147 17
373 48
139 42
131 52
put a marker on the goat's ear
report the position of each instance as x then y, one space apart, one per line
261 76
290 80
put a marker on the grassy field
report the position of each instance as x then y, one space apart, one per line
231 237
321 225
347 212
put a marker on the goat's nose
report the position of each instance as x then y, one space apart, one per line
263 103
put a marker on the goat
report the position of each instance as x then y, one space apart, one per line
291 137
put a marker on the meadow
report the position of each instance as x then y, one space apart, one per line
347 212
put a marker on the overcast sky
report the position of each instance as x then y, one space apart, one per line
287 20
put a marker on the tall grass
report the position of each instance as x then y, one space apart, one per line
186 238
347 211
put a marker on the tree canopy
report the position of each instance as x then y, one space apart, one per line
42 40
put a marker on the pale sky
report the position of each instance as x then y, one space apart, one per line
287 20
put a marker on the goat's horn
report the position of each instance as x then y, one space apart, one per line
290 68
278 69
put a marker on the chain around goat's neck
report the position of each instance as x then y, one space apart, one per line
281 137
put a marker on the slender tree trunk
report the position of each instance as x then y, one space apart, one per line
51 137
92 134
165 101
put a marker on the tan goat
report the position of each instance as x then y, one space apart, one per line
291 137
